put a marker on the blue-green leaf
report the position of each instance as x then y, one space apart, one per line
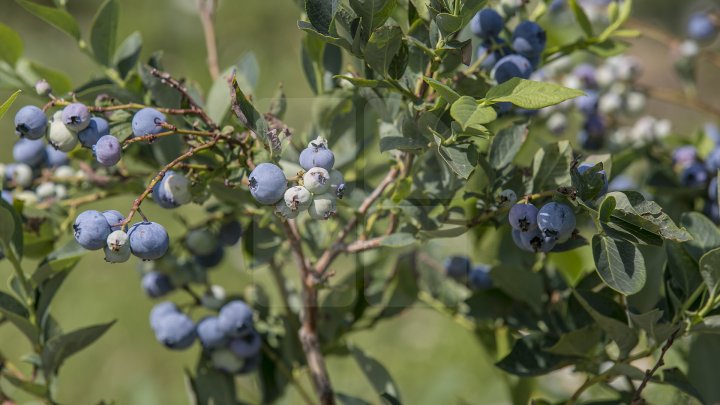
11 46
103 32
56 17
60 348
530 94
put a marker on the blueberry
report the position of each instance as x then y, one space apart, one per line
487 23
511 66
55 158
694 175
523 217
712 131
585 72
147 121
30 152
323 206
517 238
201 242
230 233
298 198
20 174
175 330
713 189
588 103
213 297
479 278
557 123
160 310
61 137
45 190
457 267
148 240
114 218
42 87
283 211
491 51
592 136
536 241
246 346
172 191
529 39
586 166
236 319
226 361
76 117
107 150
267 183
117 247
156 284
212 259
210 334
712 163
701 27
7 196
251 364
317 155
507 198
97 128
91 230
556 221
317 180
30 122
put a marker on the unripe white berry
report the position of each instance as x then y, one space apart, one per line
317 180
323 206
297 198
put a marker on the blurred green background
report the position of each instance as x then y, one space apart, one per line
432 359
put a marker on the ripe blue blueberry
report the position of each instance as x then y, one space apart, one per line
712 163
529 39
160 310
91 230
172 191
236 319
55 158
212 259
523 217
148 240
556 221
487 23
210 334
246 346
76 117
30 152
97 128
107 150
685 156
30 122
592 136
479 278
230 233
536 241
201 241
147 121
511 66
694 175
491 51
713 189
701 27
175 330
457 267
317 154
586 166
267 183
114 218
156 284
585 72
588 103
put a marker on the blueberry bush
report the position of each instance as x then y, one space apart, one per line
517 127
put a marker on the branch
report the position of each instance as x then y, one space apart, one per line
206 10
59 102
165 78
678 98
637 397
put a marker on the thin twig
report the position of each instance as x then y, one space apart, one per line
59 102
168 80
678 98
637 397
206 10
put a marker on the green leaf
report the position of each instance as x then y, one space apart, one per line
60 348
376 373
470 114
530 94
579 342
619 263
56 17
632 209
461 158
248 115
373 13
383 45
11 46
551 166
22 323
710 269
31 72
625 337
11 231
710 324
6 105
528 357
675 377
581 18
448 24
399 239
30 387
606 208
705 234
446 92
103 31
11 304
608 48
321 13
308 28
401 143
506 144
651 322
682 268
210 385
521 284
623 15
128 53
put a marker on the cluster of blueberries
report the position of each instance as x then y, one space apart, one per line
477 277
505 61
230 339
695 173
317 192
